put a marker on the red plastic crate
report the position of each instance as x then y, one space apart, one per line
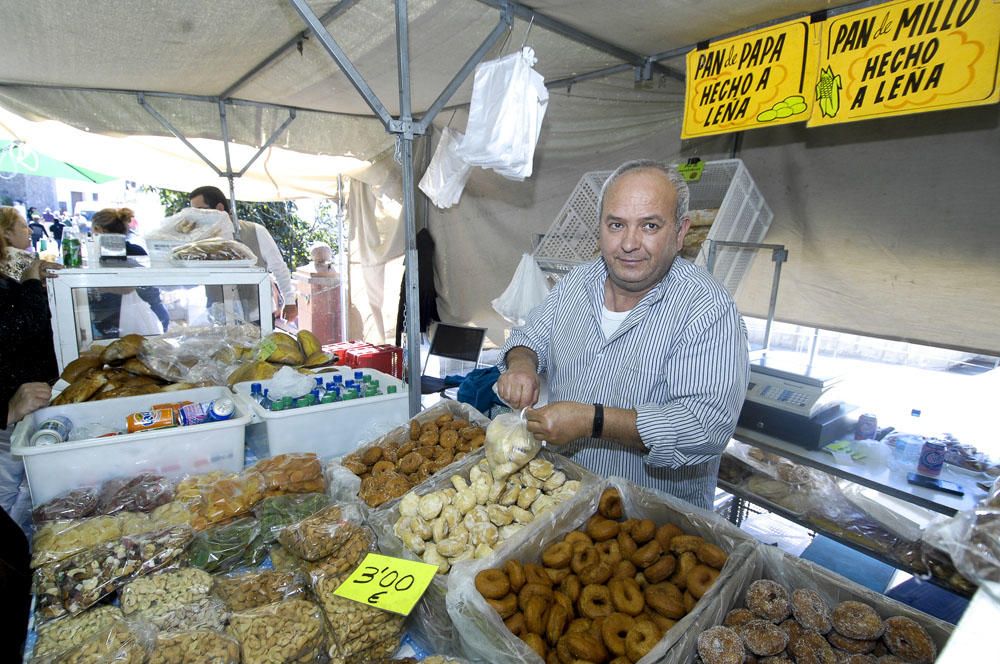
387 360
340 349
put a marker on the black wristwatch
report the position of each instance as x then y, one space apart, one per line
598 427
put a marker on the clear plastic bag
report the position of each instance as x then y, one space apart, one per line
321 534
244 591
120 642
446 175
509 444
972 539
193 224
292 630
76 504
291 473
238 543
213 249
57 540
141 493
200 355
527 289
279 511
354 627
227 497
168 589
197 645
505 115
59 636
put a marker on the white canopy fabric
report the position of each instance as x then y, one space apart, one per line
881 240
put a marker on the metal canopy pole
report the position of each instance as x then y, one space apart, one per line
405 129
229 168
779 254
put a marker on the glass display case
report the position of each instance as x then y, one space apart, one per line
105 303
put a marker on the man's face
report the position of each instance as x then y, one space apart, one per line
199 202
638 236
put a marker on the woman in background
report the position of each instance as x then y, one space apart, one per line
105 304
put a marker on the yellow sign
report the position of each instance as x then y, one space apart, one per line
907 57
760 79
388 583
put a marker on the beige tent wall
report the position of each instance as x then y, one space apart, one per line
892 226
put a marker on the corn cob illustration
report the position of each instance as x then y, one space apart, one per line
828 92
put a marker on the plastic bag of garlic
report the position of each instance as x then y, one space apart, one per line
509 445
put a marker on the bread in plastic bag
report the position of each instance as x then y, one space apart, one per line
174 513
484 635
291 630
276 512
291 473
509 444
141 493
171 588
213 249
972 539
527 289
75 504
58 636
197 645
249 590
120 642
226 546
192 224
55 540
447 172
204 355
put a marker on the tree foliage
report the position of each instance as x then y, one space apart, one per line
293 234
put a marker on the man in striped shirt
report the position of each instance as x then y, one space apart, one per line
645 354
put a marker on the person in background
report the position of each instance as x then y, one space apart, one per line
15 240
37 231
260 242
105 304
56 227
646 355
47 216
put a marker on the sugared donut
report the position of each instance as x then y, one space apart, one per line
665 599
492 583
763 637
853 646
689 601
563 600
661 569
720 645
557 575
857 620
625 570
610 505
683 543
665 533
646 555
641 638
535 573
571 587
536 643
595 601
858 659
906 639
558 555
700 579
685 563
711 555
610 552
536 614
663 622
601 529
813 648
626 545
505 606
584 558
515 573
738 617
643 531
626 596
768 600
578 537
585 646
598 573
556 623
530 590
792 628
515 624
811 611
614 629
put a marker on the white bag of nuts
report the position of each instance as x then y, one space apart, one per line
292 630
120 642
199 645
61 635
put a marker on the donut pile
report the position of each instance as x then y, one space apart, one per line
802 628
606 593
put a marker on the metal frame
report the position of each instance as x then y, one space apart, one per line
778 256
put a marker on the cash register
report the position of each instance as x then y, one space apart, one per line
794 402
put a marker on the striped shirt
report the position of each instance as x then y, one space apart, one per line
679 359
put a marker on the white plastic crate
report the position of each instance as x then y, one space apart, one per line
328 430
56 469
743 216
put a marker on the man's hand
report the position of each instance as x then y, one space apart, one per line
519 387
561 422
28 398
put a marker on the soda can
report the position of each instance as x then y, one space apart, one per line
148 420
931 458
866 427
51 431
72 253
210 411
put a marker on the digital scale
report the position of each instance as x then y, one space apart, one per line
795 403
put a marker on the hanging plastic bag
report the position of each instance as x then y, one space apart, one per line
137 317
509 444
505 115
526 291
446 175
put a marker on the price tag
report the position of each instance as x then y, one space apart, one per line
266 348
691 172
388 583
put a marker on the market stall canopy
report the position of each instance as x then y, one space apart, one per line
18 157
206 50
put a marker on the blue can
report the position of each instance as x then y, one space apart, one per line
931 458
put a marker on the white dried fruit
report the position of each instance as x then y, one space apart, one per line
459 483
409 504
484 533
478 514
506 532
430 505
432 557
499 515
541 468
527 496
495 490
465 500
413 542
475 474
541 504
439 529
450 547
403 525
529 480
448 494
521 515
422 528
555 480
452 515
482 550
464 556
482 488
459 532
510 493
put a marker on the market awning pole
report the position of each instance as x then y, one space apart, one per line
342 255
229 168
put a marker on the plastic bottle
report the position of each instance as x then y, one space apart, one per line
391 389
93 252
255 392
319 387
265 400
276 406
359 376
72 252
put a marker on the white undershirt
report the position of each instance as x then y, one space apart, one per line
611 320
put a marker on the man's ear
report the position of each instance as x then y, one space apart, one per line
682 231
220 207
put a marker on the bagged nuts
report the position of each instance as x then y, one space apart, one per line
249 591
279 511
287 631
319 535
354 627
119 642
170 589
200 645
202 613
291 473
76 504
57 540
60 636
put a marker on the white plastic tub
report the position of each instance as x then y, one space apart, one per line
328 430
55 469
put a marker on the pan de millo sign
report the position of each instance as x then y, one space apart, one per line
907 57
759 79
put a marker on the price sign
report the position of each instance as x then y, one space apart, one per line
691 171
388 583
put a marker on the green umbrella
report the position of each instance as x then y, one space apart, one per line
17 157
